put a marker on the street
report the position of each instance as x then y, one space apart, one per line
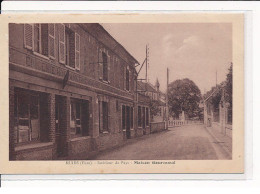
190 142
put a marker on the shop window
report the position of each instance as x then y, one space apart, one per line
103 117
27 117
79 117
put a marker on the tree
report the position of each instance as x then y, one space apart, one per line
229 86
154 108
184 95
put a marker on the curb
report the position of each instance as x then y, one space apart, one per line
227 152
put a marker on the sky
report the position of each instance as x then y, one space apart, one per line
190 50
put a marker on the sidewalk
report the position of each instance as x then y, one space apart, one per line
223 140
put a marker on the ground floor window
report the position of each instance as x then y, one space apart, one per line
79 118
103 116
127 117
147 116
139 116
143 116
27 116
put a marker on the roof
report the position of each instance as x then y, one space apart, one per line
94 29
143 86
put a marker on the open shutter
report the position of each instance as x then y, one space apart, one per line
100 61
44 39
108 67
77 51
51 40
124 77
28 36
130 80
62 43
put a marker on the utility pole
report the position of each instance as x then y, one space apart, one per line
146 65
216 78
167 103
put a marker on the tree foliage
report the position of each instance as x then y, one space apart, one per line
229 86
184 95
154 108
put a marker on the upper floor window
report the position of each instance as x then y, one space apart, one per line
104 60
69 47
127 81
40 38
105 67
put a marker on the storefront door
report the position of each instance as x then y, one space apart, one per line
58 116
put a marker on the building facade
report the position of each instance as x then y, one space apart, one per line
71 91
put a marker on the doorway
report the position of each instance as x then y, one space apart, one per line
128 132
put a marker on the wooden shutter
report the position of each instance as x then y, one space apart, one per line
124 80
44 39
77 51
51 40
28 36
61 43
100 61
108 67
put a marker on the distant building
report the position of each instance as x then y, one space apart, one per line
156 96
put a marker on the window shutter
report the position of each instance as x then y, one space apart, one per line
51 40
77 51
62 43
130 80
124 77
28 36
100 61
44 39
108 67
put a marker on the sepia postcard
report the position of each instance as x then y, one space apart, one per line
122 93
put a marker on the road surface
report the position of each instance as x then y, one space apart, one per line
190 142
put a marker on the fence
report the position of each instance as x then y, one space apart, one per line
177 123
157 126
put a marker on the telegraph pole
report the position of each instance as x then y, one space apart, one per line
167 103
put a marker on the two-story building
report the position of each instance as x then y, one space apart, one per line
71 91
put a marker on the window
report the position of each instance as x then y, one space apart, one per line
127 81
69 47
79 118
143 117
40 38
27 117
147 116
139 116
123 117
103 116
105 66
132 118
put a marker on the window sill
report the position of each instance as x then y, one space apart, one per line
124 130
40 55
32 146
80 138
72 68
104 133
